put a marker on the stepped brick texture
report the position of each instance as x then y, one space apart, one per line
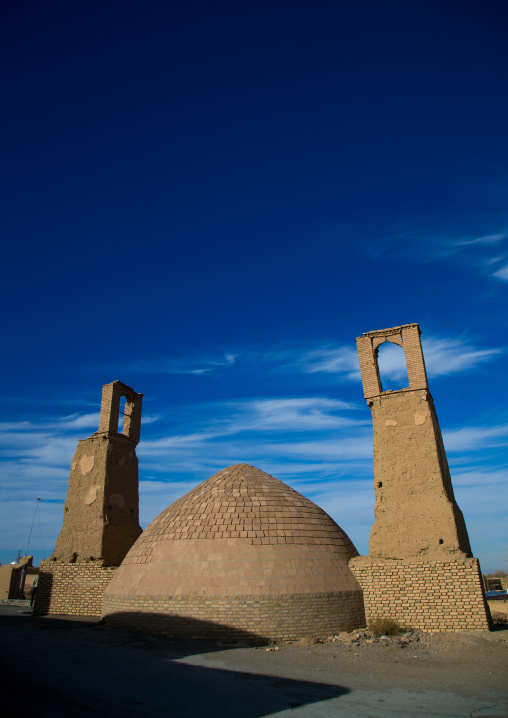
429 595
240 536
73 589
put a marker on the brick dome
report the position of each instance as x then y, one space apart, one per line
241 555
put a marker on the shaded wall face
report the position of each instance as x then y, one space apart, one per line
5 581
121 501
10 582
415 509
101 520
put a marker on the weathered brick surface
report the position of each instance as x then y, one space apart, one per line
73 589
406 336
416 512
429 595
101 512
130 422
368 367
288 616
233 553
243 502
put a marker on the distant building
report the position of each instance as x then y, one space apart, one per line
16 578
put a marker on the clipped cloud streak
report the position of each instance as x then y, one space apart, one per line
487 239
332 360
197 366
501 273
475 438
423 245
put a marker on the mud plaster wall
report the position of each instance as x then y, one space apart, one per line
430 595
101 515
415 509
71 589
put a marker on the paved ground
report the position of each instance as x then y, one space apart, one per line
73 667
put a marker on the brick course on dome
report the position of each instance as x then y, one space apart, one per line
241 555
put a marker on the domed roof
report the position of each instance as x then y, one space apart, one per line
242 501
240 532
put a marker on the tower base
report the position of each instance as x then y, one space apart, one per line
71 589
429 595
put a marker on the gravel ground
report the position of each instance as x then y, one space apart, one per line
63 666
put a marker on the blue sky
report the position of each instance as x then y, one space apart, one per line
210 201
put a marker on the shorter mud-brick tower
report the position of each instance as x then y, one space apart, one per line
101 511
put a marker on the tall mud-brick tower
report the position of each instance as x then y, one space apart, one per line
416 512
101 512
419 552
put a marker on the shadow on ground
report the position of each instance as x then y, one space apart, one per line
83 668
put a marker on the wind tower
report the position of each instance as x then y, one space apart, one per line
101 511
419 571
415 509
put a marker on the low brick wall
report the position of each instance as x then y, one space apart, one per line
430 595
73 589
252 618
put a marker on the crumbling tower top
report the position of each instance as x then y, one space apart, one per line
110 411
406 336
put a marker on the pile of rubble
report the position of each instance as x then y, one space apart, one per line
357 637
363 637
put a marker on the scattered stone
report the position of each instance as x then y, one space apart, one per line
344 637
307 641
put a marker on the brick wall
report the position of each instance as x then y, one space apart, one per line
430 595
286 617
73 589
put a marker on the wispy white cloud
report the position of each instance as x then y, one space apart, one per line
442 358
77 421
501 273
487 239
424 245
482 494
451 356
494 260
331 360
473 438
294 414
65 423
191 365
